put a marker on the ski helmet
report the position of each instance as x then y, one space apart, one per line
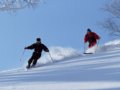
38 39
89 30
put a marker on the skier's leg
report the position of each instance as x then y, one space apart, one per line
35 60
92 44
30 61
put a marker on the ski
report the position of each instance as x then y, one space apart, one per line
88 53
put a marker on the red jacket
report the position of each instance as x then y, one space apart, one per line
92 38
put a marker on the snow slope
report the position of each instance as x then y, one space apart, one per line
100 71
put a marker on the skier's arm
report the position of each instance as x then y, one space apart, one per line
96 36
45 48
30 47
85 38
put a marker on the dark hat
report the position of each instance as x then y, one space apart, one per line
38 39
89 30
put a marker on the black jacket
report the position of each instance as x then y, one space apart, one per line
38 47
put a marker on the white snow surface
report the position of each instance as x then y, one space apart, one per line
71 70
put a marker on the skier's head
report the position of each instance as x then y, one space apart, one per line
38 39
89 30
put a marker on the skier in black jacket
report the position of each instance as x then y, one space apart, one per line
38 48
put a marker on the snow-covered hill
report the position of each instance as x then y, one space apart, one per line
100 71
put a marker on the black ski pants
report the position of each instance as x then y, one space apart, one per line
35 56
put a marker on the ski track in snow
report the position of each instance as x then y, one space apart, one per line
65 86
100 71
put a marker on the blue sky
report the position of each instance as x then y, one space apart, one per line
58 23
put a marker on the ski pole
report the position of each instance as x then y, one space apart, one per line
98 42
22 55
51 57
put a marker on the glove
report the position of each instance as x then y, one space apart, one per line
25 48
47 50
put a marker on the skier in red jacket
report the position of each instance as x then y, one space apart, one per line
91 38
